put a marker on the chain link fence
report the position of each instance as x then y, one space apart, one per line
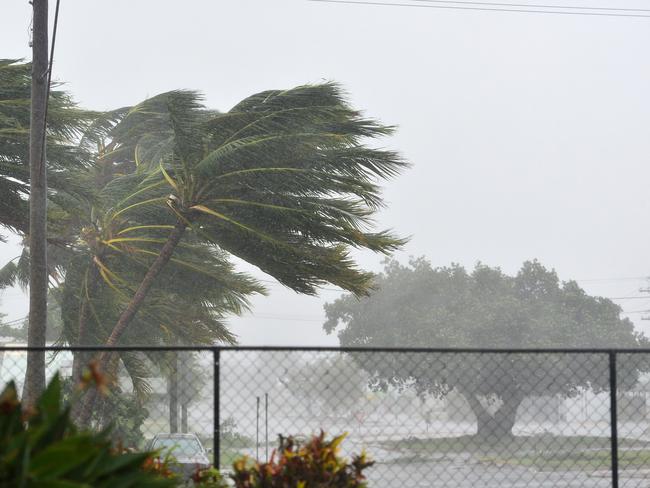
434 418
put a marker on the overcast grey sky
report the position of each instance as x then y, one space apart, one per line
528 133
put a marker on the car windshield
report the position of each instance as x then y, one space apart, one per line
185 446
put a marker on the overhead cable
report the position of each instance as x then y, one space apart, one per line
530 5
482 9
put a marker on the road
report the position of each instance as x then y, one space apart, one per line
441 474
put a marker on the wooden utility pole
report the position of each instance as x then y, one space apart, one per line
38 276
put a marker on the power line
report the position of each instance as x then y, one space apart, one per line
625 278
276 283
480 9
285 317
628 298
15 321
529 5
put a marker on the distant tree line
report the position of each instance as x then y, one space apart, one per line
418 305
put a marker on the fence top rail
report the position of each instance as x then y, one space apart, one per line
437 350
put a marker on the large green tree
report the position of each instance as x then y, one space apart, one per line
171 190
80 172
283 180
417 305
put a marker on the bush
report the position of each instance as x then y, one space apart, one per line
209 478
316 464
41 447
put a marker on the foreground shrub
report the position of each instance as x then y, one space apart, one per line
209 478
41 447
316 464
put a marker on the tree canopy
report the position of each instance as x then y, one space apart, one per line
282 180
418 305
64 155
153 201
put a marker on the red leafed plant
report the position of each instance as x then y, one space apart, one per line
315 464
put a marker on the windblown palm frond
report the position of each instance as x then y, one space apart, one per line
194 295
65 124
283 180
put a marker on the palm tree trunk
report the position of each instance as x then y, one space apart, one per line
38 275
147 282
81 358
132 308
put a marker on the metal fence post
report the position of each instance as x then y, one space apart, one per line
266 426
257 428
613 407
216 434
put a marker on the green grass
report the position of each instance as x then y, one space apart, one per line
577 461
232 448
228 456
541 452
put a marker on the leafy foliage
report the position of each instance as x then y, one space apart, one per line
47 450
281 181
317 464
417 305
65 122
209 478
159 197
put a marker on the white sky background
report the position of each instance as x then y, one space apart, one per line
529 134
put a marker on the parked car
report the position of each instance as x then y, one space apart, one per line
186 449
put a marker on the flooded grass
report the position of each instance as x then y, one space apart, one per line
541 452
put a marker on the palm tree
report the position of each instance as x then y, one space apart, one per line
171 190
82 171
66 158
65 122
282 181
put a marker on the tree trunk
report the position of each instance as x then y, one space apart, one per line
81 358
147 282
38 275
496 427
132 308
